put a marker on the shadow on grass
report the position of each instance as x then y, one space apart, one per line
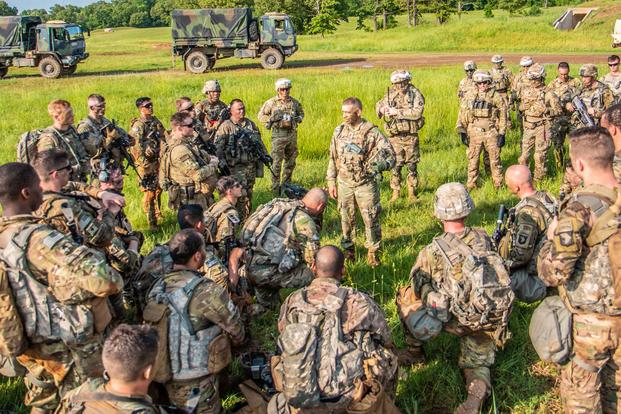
302 63
87 73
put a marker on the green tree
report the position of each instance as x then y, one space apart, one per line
326 20
443 10
6 10
42 13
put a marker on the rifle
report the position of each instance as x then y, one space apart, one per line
501 228
260 154
224 114
582 111
210 148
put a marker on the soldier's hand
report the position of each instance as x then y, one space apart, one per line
591 111
464 138
391 111
233 277
569 107
332 191
112 201
552 228
501 140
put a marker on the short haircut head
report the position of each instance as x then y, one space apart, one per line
226 183
14 177
142 100
613 115
184 244
236 100
188 215
95 99
179 118
613 58
48 161
183 103
593 145
128 351
329 262
58 107
563 65
353 101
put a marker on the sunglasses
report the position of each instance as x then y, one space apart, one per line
149 106
190 125
613 64
67 168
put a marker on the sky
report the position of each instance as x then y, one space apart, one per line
45 4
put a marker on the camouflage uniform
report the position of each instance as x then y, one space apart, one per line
581 268
233 142
520 246
614 84
268 268
481 117
502 80
72 142
187 173
616 166
466 87
561 125
358 155
208 113
360 317
597 97
225 225
284 135
210 313
94 395
402 131
98 145
149 138
519 83
76 277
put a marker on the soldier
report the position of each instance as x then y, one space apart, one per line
128 358
565 87
611 120
441 272
282 114
238 144
402 109
502 79
538 106
359 153
59 282
149 136
62 134
187 173
580 258
202 323
340 375
519 82
595 96
613 78
526 232
222 218
466 84
104 141
211 111
280 241
481 124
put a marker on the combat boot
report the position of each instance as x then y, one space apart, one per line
395 195
350 254
372 259
477 393
412 194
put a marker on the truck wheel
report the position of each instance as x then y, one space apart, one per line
272 59
3 71
253 31
50 68
70 70
197 62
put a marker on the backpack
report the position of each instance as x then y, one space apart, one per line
550 330
477 286
27 146
318 363
12 338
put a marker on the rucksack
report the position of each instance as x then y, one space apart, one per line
318 363
27 145
12 338
550 330
477 286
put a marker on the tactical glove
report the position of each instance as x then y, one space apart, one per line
501 140
464 138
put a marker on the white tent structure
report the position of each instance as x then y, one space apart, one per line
616 34
572 18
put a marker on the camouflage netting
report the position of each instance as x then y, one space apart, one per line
211 23
10 26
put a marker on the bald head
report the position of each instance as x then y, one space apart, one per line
519 180
329 262
315 201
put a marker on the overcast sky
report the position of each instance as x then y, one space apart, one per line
45 4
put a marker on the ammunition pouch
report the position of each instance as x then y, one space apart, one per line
173 194
286 122
481 109
186 193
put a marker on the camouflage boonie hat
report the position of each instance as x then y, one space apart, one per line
526 61
399 76
536 71
212 86
497 59
282 83
588 70
481 76
470 65
452 202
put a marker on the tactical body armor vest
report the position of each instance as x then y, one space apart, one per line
352 156
533 103
403 126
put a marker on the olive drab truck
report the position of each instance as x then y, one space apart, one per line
202 36
55 47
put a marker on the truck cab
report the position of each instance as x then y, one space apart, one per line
277 30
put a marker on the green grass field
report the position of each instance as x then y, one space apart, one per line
142 67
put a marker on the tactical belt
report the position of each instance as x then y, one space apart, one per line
501 90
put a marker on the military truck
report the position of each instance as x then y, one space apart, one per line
202 36
55 47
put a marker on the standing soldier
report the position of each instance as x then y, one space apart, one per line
402 109
565 88
238 144
481 124
222 218
595 96
502 79
359 153
282 114
580 257
466 84
211 111
519 82
613 78
149 136
187 173
538 107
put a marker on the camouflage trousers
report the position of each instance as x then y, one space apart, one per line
267 280
408 154
367 197
507 111
480 139
176 200
560 127
591 382
198 396
151 199
536 135
278 405
246 175
284 154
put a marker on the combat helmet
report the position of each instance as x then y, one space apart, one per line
470 65
481 76
212 86
452 202
399 76
588 70
282 83
526 61
497 59
536 71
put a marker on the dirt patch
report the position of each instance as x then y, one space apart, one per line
162 46
607 11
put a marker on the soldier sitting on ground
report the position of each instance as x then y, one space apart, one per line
526 232
351 365
222 218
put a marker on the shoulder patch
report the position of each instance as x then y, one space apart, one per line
233 218
52 239
212 261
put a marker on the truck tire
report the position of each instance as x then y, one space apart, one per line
197 62
253 31
3 71
50 67
70 70
272 59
